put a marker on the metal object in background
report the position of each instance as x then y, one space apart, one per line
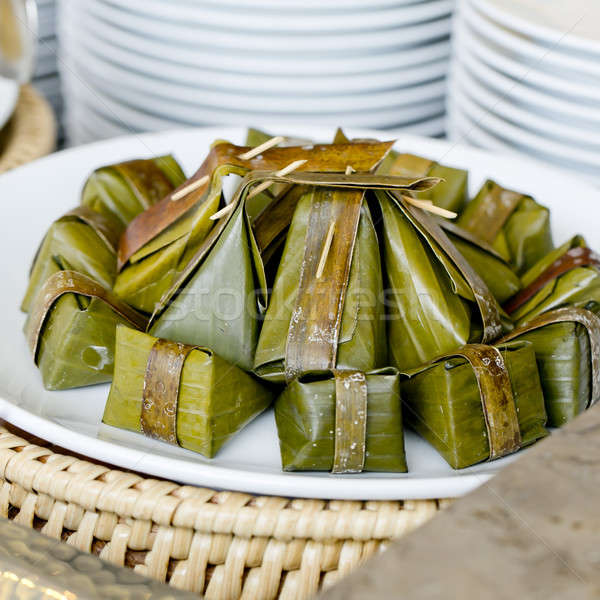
18 34
36 567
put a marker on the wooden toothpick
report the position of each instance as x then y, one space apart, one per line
429 206
274 141
326 249
261 187
349 170
220 213
188 189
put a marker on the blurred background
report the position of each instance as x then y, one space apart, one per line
512 75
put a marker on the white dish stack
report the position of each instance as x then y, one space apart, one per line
45 76
525 77
146 65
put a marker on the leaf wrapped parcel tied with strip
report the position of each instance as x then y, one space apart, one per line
344 422
159 244
452 191
81 240
180 394
513 223
124 190
476 403
566 342
569 275
326 310
71 330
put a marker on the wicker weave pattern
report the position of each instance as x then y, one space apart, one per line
227 545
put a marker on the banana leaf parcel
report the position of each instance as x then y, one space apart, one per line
126 189
158 245
566 342
569 275
476 403
513 223
81 240
71 330
182 395
347 423
326 310
435 300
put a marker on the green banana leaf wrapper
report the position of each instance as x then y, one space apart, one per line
435 299
469 420
71 330
566 342
513 223
311 430
81 240
499 277
186 396
569 275
452 191
126 189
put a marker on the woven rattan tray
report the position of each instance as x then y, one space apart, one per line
30 133
227 545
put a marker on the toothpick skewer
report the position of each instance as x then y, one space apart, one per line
429 206
220 213
261 187
274 141
326 249
349 170
188 189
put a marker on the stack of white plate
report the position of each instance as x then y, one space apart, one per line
149 64
45 76
525 76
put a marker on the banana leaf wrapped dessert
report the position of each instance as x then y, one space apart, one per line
345 423
81 240
436 302
71 330
126 189
158 244
513 223
566 342
476 403
569 275
182 395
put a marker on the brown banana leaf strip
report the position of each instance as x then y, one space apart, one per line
571 259
325 157
72 282
146 179
570 314
161 390
491 215
467 236
350 444
103 226
315 324
497 400
488 307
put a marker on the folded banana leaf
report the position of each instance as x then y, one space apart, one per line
182 395
345 423
320 157
569 275
513 223
452 191
435 300
71 330
81 240
476 403
566 342
501 280
126 189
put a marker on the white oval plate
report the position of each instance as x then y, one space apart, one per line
246 19
9 94
198 39
250 462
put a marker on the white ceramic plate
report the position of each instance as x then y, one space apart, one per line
162 72
305 5
198 38
9 94
246 19
250 462
245 62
